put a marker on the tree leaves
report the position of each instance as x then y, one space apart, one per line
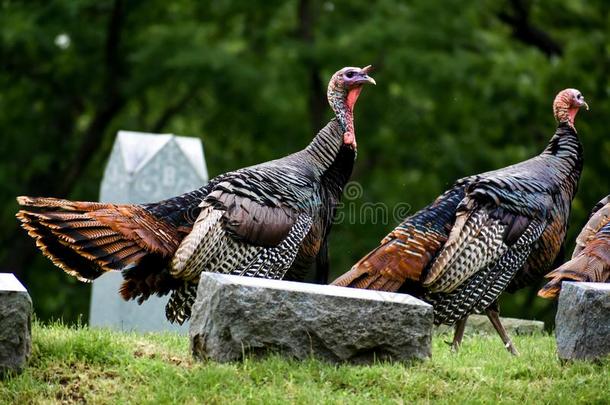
457 94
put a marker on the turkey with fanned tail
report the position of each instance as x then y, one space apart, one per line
491 232
270 220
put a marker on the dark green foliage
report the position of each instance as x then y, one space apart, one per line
463 87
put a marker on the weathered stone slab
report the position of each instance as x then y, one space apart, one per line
479 324
15 324
235 315
583 321
144 168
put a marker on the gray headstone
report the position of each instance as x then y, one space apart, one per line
15 324
480 324
234 315
144 168
582 324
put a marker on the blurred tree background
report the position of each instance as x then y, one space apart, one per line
463 87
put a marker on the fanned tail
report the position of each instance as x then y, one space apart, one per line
76 242
87 239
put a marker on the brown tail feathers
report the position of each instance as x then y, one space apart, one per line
364 275
386 268
591 265
86 239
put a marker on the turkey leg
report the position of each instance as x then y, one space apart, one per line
494 317
458 335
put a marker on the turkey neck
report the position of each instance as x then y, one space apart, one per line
566 147
330 154
342 102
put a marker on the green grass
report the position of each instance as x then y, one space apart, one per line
77 365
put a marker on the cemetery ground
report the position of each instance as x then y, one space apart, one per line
83 365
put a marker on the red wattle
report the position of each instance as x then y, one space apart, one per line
349 139
352 97
572 114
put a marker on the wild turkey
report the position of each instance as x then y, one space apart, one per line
591 258
463 250
270 220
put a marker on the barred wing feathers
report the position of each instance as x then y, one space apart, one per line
252 223
210 248
480 290
498 208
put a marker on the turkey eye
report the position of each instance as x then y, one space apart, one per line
579 96
349 75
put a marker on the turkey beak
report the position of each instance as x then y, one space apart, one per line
364 75
584 103
372 81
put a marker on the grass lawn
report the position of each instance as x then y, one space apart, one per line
78 365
